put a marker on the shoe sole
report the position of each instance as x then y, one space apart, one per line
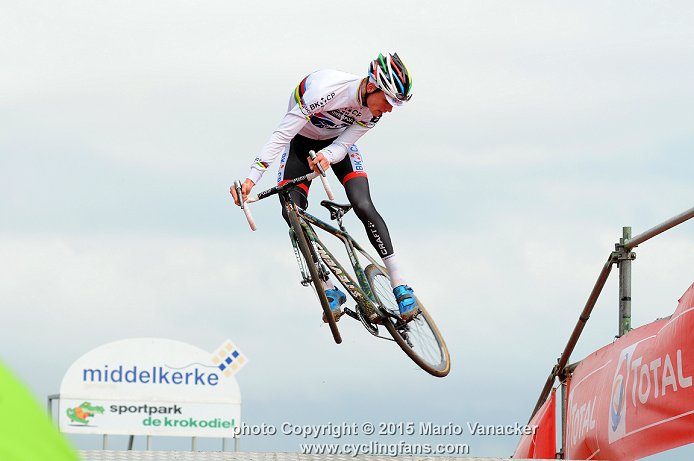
409 316
336 315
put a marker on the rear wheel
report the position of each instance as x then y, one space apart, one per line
419 338
310 259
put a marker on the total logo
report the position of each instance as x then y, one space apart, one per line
619 383
617 401
637 380
582 419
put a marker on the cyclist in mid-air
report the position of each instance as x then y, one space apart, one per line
328 112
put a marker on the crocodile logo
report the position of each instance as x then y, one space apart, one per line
83 413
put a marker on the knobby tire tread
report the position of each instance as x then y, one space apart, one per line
372 271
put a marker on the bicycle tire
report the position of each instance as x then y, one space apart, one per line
308 255
420 338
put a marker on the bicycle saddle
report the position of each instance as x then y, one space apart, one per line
336 210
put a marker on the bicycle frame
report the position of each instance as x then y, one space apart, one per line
360 289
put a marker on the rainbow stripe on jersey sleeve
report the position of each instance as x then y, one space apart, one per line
299 96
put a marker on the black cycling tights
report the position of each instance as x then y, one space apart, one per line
359 197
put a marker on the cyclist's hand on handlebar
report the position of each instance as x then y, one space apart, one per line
319 158
245 190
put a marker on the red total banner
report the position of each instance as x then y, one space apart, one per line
635 397
542 443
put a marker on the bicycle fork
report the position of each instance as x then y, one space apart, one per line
305 274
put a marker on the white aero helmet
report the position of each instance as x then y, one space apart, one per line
391 76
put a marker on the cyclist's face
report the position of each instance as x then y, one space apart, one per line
378 104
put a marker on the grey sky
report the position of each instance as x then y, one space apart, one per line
536 131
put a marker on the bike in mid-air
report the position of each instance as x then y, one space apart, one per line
375 303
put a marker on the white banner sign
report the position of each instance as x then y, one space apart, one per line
151 386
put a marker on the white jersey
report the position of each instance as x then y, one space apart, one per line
326 104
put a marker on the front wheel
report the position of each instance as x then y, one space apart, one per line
419 338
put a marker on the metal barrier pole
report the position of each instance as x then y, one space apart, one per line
51 398
659 229
624 262
564 396
564 406
578 329
565 378
104 444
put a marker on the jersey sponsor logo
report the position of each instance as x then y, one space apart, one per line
330 120
355 159
353 112
321 121
283 163
307 109
321 102
340 115
357 163
347 115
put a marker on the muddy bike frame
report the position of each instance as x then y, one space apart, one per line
360 289
370 313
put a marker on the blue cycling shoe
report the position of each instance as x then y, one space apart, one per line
336 298
407 303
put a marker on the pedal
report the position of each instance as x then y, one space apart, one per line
351 313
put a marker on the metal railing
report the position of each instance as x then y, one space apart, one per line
622 256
